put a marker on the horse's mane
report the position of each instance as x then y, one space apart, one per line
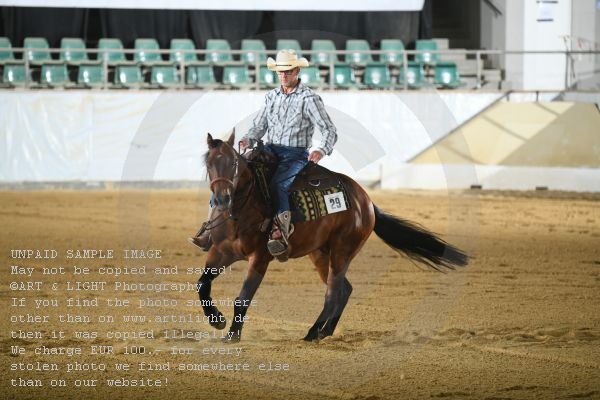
259 155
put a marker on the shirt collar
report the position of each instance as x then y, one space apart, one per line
299 88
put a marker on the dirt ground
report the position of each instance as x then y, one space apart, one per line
521 321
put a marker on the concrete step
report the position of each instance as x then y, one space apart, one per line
453 57
492 75
442 43
469 67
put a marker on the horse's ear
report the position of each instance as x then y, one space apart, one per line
209 140
231 139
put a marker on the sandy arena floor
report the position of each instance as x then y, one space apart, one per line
522 321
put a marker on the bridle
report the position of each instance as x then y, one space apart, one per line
220 179
233 182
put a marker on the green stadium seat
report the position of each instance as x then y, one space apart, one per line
201 76
111 51
250 48
129 76
164 76
310 77
267 78
14 74
178 46
355 56
236 76
216 54
343 76
90 75
415 75
41 53
426 47
142 55
377 76
289 44
446 75
320 52
71 50
393 51
54 75
6 53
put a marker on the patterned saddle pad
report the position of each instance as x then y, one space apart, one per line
310 204
315 193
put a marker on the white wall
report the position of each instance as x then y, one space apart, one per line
597 38
586 33
545 71
93 136
156 135
515 40
518 29
495 177
493 31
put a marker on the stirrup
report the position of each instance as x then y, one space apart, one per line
202 228
203 238
276 247
280 248
282 238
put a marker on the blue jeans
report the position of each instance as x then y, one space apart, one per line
290 161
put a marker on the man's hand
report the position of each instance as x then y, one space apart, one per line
244 144
315 156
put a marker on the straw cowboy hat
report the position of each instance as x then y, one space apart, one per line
286 60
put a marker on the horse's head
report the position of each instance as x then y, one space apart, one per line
222 164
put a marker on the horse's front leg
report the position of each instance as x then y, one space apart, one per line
214 263
257 267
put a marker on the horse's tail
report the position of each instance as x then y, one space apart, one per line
417 243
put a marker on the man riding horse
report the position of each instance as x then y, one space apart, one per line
288 118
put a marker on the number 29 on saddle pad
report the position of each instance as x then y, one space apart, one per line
335 202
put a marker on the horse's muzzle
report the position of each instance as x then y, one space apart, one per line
223 201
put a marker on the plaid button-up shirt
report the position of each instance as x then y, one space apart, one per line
290 119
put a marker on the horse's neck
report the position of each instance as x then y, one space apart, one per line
250 200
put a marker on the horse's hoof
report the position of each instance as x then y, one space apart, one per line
322 335
220 323
311 337
233 337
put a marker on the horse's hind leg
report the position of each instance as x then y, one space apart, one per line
320 258
336 297
214 262
343 295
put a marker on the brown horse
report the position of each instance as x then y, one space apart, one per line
331 242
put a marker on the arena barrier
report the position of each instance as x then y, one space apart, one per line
147 137
90 136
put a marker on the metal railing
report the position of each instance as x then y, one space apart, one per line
333 57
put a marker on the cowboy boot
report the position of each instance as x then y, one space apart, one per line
278 246
203 239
